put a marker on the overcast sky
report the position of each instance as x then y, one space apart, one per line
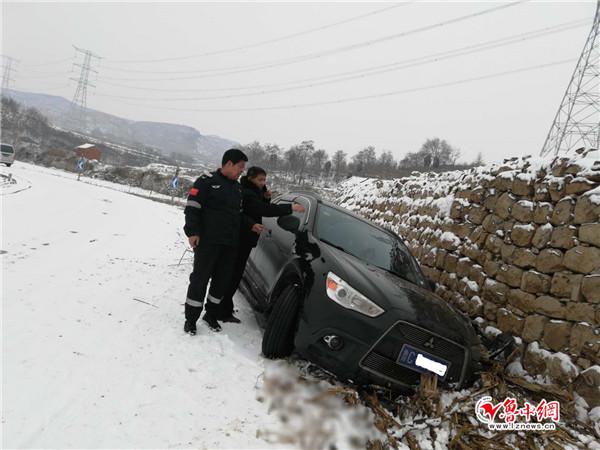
499 116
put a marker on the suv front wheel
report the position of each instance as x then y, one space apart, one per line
278 340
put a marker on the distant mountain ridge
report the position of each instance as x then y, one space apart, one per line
167 138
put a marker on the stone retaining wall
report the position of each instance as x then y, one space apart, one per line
516 246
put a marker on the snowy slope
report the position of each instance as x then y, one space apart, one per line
84 363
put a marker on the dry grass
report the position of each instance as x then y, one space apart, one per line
444 419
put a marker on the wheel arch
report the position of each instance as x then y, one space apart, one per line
290 274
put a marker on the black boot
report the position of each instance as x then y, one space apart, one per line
190 328
211 322
230 318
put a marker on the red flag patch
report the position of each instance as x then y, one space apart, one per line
194 191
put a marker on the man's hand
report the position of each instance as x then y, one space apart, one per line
297 207
194 241
257 228
268 193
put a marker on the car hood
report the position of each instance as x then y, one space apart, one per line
399 297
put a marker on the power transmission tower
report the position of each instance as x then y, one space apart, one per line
7 69
80 97
577 122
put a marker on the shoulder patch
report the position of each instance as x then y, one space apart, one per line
194 191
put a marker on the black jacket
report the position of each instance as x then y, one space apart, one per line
214 210
256 206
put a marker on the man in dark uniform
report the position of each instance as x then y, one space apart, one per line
213 218
256 205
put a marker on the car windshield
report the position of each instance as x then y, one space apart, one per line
7 149
366 242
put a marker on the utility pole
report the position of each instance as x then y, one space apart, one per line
577 122
80 97
7 63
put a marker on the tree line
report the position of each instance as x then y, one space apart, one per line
304 160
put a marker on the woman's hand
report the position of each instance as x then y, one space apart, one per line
297 207
194 241
258 227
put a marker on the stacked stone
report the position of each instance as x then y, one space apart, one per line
519 249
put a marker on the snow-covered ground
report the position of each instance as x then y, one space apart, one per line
94 355
85 362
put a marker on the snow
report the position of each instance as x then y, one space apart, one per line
448 236
534 348
594 195
566 364
594 414
528 176
444 204
87 364
515 368
526 204
491 331
525 227
473 286
594 368
581 408
85 146
476 301
509 175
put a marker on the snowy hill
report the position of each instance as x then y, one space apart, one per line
165 137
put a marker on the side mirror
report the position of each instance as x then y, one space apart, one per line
289 223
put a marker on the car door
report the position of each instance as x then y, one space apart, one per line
275 246
255 269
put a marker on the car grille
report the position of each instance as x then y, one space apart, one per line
381 358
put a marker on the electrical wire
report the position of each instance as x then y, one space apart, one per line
310 56
377 70
266 42
362 97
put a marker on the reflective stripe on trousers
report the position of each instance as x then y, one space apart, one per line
195 303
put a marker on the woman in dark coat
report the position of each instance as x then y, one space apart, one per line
256 205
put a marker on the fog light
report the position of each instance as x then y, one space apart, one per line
333 342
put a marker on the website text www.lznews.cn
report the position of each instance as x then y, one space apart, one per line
520 426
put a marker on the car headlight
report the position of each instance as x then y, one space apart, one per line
345 295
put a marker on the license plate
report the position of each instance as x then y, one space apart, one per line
421 361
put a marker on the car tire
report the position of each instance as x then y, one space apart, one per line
278 340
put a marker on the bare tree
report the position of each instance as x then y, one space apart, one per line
318 158
386 163
273 156
339 162
478 160
255 152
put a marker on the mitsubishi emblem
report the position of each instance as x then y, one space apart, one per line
429 343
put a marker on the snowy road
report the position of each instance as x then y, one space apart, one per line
84 363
